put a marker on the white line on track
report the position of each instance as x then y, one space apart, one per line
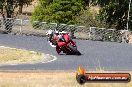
54 58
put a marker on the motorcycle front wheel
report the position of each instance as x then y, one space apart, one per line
74 49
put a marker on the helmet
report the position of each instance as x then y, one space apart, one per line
56 32
49 32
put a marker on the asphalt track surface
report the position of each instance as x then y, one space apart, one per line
95 54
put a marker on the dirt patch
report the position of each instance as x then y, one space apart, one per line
48 79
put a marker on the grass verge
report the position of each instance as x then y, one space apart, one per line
16 56
48 79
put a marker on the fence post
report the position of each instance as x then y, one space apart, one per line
90 31
21 25
125 36
1 23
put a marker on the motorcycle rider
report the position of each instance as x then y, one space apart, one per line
50 34
54 37
59 38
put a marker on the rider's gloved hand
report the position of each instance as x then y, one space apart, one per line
52 45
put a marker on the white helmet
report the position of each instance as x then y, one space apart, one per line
49 32
56 31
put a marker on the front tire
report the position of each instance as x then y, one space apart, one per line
58 50
74 49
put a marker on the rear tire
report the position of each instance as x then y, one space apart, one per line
75 51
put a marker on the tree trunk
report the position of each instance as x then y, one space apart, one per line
9 22
20 9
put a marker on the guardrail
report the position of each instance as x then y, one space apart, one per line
80 32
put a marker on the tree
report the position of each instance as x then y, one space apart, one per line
59 11
21 3
116 14
7 8
10 5
48 1
89 19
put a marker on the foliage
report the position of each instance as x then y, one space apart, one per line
10 5
7 8
115 14
22 3
59 11
90 18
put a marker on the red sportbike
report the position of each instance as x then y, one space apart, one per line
67 46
